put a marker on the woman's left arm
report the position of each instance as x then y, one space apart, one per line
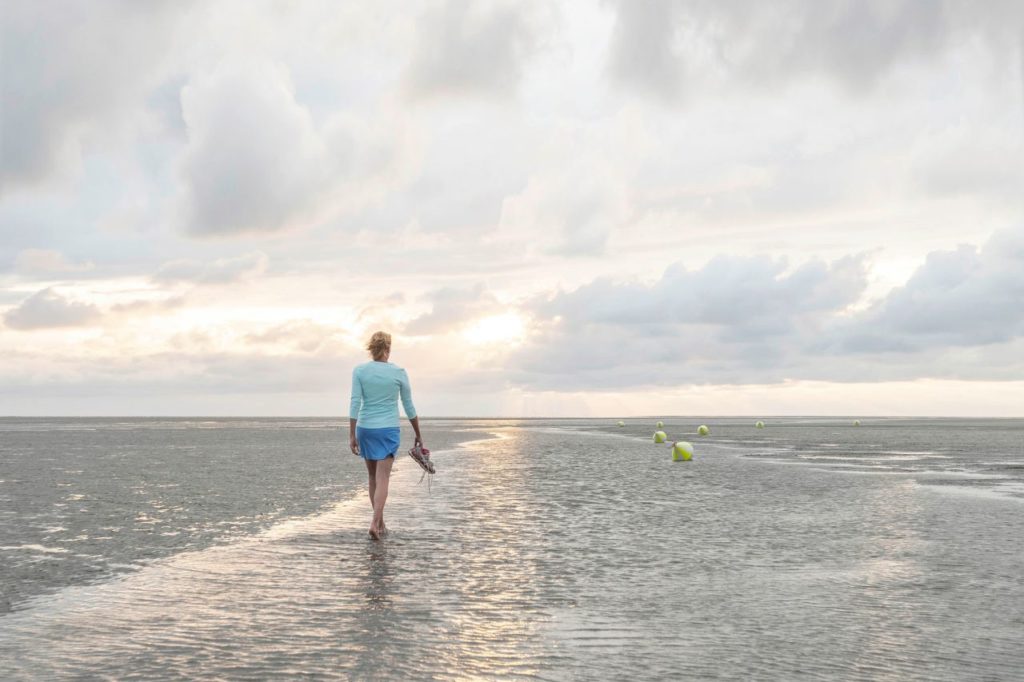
353 442
415 421
405 390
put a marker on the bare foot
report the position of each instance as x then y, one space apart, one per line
374 533
383 529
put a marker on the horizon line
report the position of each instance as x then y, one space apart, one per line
464 417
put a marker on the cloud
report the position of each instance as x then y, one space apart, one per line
466 47
451 307
147 306
69 71
184 375
731 320
663 48
744 297
44 261
469 165
255 161
570 208
643 53
49 309
964 297
752 320
303 336
220 271
966 159
450 143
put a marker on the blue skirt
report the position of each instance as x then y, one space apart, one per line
376 444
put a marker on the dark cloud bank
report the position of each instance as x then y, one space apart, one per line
664 47
753 320
72 68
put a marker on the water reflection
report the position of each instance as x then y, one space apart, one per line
535 555
377 577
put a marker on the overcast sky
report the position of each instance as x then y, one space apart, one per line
558 208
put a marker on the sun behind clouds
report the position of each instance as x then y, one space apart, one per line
507 328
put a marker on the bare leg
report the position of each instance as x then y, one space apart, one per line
371 472
381 493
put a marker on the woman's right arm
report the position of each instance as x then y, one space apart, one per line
353 442
353 411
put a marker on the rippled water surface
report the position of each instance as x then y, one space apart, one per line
544 549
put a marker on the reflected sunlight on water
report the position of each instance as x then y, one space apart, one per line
553 554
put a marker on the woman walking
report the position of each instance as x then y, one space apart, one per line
373 420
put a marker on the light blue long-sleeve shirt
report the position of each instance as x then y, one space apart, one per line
376 387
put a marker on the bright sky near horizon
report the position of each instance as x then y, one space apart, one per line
558 208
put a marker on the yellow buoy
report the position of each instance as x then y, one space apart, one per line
660 437
856 422
759 425
702 430
682 451
621 423
660 425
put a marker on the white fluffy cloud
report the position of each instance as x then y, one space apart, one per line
220 271
301 336
74 71
748 296
570 209
961 298
48 309
719 323
451 307
255 161
665 47
465 47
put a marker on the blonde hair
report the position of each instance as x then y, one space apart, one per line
379 345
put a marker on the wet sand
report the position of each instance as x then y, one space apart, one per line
548 553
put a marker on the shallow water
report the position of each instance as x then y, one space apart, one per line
559 550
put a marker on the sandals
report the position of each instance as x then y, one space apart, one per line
421 456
